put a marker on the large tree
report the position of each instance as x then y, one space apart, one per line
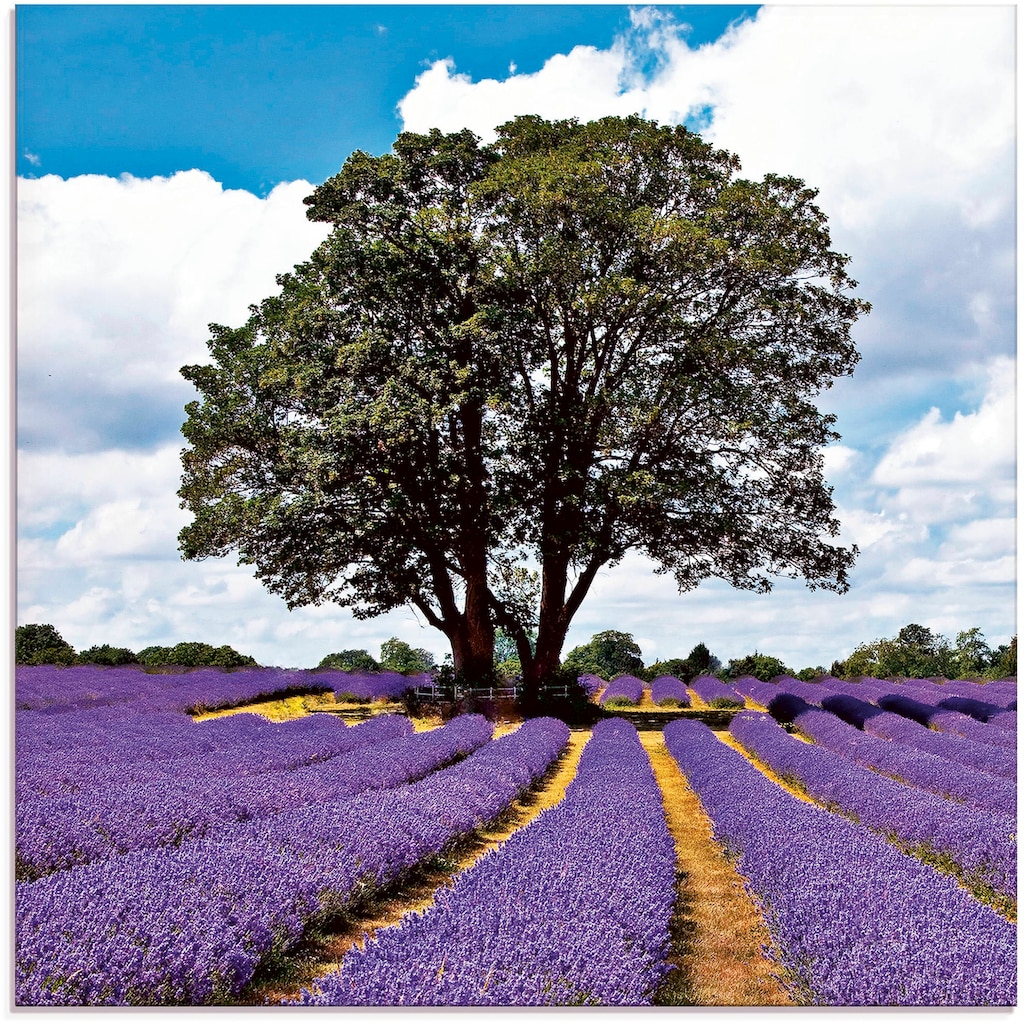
510 364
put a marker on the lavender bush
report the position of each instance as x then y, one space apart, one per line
906 764
191 925
979 844
716 693
889 726
625 689
668 690
947 721
574 908
853 920
59 832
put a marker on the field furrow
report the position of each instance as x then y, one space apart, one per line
718 935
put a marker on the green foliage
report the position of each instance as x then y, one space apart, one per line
41 644
619 702
549 350
761 666
678 667
350 661
397 656
916 652
670 702
192 654
810 674
727 702
700 661
607 655
509 669
1004 661
104 654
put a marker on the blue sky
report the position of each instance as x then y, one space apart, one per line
162 157
260 95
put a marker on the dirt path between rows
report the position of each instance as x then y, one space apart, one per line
717 932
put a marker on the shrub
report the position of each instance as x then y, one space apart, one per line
351 661
192 654
398 656
104 654
41 644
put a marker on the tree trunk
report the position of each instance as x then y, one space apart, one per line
472 639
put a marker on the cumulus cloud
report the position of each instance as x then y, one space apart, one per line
947 468
118 279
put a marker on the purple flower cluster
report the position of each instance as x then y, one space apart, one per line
572 909
56 833
979 709
853 920
760 692
716 693
981 843
669 690
591 683
907 764
889 726
624 688
83 686
241 744
953 722
190 925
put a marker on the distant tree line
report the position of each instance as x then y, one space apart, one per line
395 656
42 644
916 652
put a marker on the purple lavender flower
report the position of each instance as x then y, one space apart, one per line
625 689
716 693
191 925
980 843
906 764
574 908
668 690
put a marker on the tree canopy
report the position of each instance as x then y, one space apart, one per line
607 655
510 364
39 643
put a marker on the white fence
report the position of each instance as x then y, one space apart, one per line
435 694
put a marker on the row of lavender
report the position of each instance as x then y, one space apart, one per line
191 924
854 921
989 746
977 843
84 686
573 909
183 799
952 701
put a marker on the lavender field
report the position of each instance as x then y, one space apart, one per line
165 857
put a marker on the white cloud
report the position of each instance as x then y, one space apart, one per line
950 467
54 486
870 103
902 116
118 279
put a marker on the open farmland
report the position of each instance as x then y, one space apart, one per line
828 843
